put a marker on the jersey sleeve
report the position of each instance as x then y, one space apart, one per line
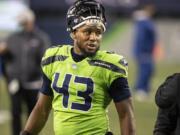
119 90
53 54
47 64
47 60
118 68
46 68
46 86
116 77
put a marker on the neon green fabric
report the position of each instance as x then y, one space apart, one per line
80 89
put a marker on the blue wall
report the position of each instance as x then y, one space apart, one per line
56 28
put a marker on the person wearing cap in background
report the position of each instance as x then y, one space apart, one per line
21 53
80 81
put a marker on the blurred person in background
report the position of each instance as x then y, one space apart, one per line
144 43
168 100
21 53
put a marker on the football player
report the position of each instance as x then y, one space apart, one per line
80 81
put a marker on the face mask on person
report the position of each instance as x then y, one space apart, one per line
20 28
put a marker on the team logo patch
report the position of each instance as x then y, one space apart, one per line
110 52
124 62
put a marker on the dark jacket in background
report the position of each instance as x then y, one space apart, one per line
21 65
168 100
25 50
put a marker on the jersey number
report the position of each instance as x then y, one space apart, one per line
64 90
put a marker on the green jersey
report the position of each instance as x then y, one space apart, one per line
80 89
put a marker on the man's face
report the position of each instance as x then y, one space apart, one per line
87 40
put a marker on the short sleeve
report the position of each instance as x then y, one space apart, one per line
47 61
119 68
46 86
119 90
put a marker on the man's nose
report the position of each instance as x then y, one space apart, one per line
93 36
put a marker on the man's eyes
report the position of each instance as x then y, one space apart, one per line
89 32
98 32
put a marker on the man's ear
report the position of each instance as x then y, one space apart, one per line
72 35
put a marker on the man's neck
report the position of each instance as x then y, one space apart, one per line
77 57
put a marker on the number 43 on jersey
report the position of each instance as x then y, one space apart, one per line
64 90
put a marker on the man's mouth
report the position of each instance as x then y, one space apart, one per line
91 46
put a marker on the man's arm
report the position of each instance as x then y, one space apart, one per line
39 115
126 117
